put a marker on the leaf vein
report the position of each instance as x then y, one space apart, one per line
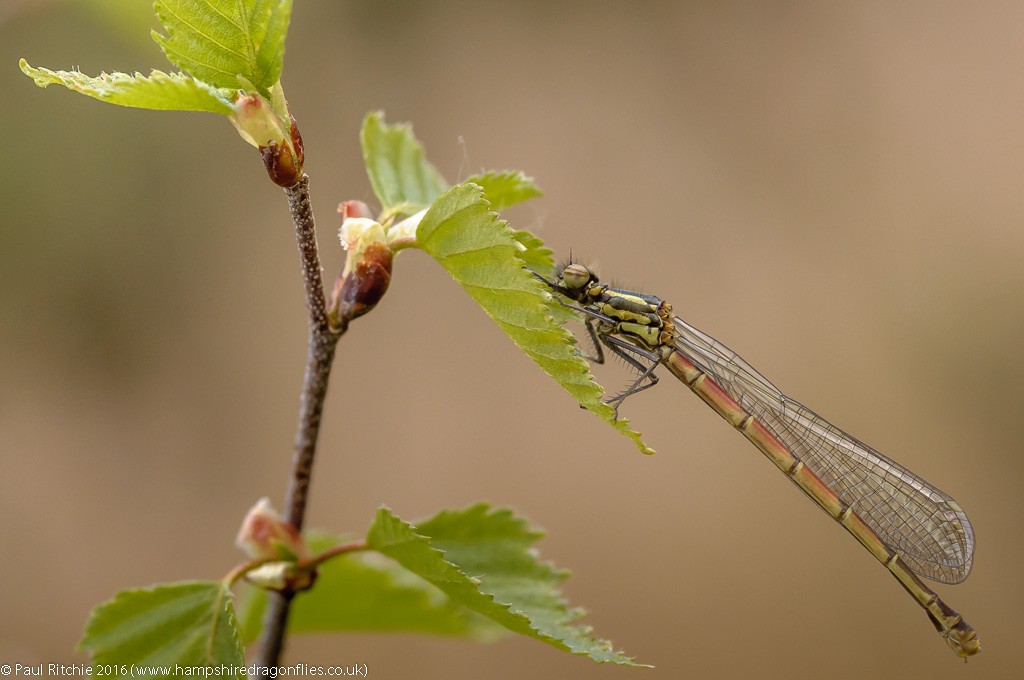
246 29
208 38
187 58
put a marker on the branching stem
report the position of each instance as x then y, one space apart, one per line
322 344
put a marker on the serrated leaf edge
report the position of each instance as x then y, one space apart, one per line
222 606
92 86
518 615
592 390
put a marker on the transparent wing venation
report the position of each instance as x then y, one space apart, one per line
922 523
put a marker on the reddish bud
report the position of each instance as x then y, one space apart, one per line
282 166
365 285
273 131
300 151
256 121
349 209
367 271
264 535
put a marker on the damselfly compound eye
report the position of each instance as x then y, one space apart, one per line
913 528
575 276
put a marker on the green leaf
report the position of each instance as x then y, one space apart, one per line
403 181
158 90
217 41
484 559
368 592
486 258
191 623
506 188
490 261
535 254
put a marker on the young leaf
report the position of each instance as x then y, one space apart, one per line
484 256
507 188
158 90
483 559
367 592
535 254
217 41
191 623
403 181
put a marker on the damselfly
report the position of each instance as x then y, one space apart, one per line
910 526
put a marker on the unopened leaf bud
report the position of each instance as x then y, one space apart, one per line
271 129
283 576
265 535
353 208
367 272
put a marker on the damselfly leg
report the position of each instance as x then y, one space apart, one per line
911 527
623 350
602 330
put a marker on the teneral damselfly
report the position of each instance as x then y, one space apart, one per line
910 526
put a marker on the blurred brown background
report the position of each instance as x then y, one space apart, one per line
834 192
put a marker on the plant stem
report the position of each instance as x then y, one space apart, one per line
322 344
330 553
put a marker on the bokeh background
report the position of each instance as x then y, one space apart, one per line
835 190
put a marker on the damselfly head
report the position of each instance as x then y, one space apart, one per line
575 276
